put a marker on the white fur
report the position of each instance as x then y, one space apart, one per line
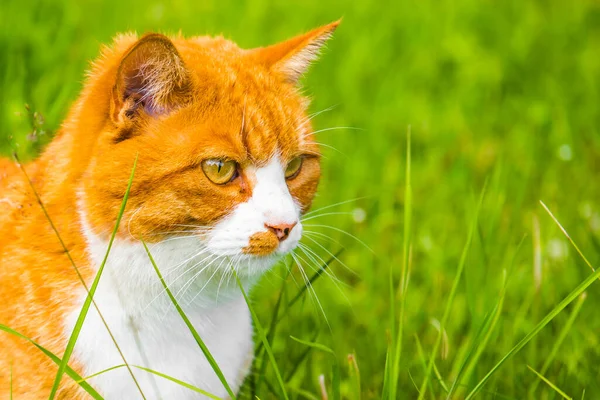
145 324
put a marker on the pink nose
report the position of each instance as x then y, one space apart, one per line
282 231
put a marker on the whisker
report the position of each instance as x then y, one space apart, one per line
329 272
130 219
309 286
190 281
313 115
332 255
325 214
330 147
333 129
320 235
334 205
207 282
195 226
342 231
172 269
312 256
153 245
163 290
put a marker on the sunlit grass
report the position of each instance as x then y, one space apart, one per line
509 93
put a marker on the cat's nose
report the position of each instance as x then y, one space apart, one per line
282 231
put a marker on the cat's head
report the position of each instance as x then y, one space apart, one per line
225 147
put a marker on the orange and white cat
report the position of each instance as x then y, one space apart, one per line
226 165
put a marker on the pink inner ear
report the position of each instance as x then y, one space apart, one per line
152 75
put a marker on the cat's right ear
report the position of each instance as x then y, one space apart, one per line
151 78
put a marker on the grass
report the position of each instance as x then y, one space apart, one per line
197 337
90 296
507 92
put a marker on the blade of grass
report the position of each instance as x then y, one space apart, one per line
471 350
199 341
69 371
545 321
263 336
177 381
564 231
387 372
160 374
552 385
302 357
423 360
87 378
335 384
488 326
86 305
306 394
403 285
355 374
79 276
455 284
561 337
270 336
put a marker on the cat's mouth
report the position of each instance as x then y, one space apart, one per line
262 244
267 243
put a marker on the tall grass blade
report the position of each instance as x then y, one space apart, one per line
199 341
485 333
68 254
160 374
90 296
181 383
550 316
545 321
474 352
296 363
270 336
455 284
263 336
561 337
355 375
68 370
335 384
403 285
552 385
564 231
423 360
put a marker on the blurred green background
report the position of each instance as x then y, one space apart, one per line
503 91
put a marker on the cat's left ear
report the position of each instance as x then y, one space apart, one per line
292 57
151 78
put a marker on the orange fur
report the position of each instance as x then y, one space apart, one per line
210 99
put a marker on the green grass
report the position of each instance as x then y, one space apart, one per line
506 92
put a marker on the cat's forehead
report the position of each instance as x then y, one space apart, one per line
245 109
250 131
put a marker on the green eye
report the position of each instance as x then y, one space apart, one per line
293 168
219 171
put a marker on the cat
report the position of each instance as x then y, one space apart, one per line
226 164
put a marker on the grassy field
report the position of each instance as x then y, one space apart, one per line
502 95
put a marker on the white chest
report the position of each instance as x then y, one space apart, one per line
150 333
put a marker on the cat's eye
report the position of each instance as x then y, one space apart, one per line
293 168
219 171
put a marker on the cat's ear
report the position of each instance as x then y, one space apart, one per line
151 78
292 57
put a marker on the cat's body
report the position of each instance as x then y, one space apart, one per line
182 107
